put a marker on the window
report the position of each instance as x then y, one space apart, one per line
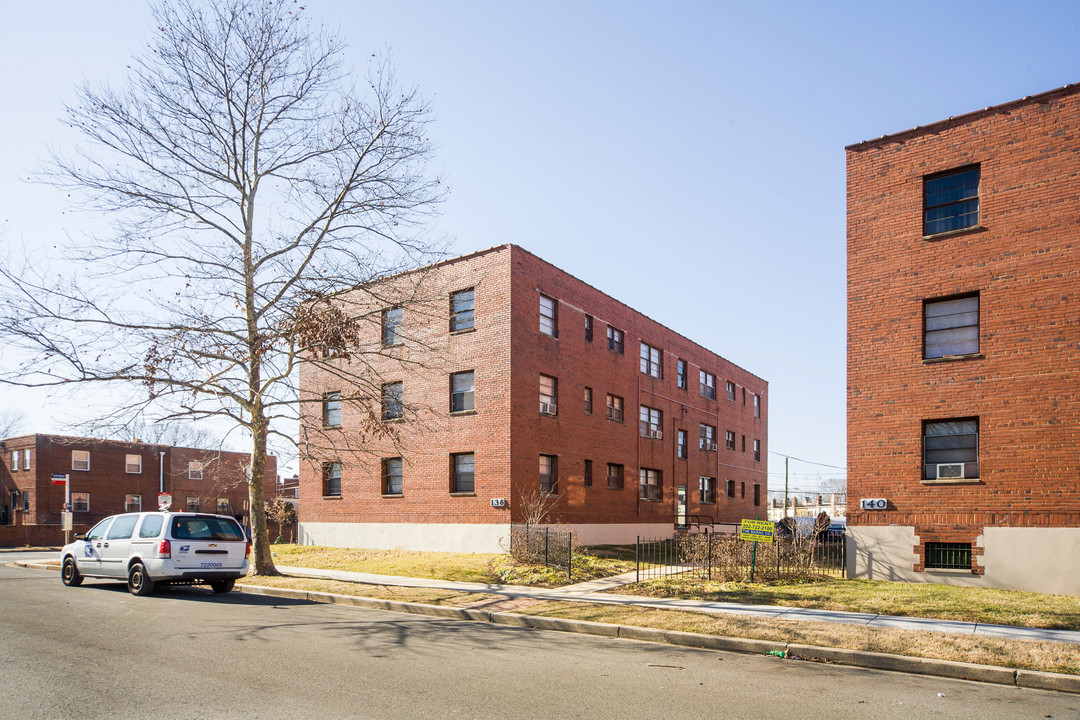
122 527
757 451
462 391
757 405
680 445
744 397
951 449
615 408
26 459
707 438
707 487
133 503
757 493
133 464
951 326
731 488
586 477
707 385
223 506
549 474
462 473
588 400
392 395
151 526
652 361
549 316
14 460
391 326
194 470
743 443
652 420
549 395
26 501
729 439
948 556
80 459
615 340
730 390
680 374
742 490
951 201
391 476
461 310
614 476
650 484
80 502
331 409
192 504
588 328
332 479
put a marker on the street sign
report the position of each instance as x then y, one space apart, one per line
164 501
59 479
68 520
757 530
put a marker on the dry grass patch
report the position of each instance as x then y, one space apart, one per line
1002 652
427 596
466 567
928 600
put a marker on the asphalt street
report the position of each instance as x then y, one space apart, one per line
97 651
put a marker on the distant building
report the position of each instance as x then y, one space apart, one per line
519 385
109 477
964 349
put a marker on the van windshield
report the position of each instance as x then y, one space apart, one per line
204 527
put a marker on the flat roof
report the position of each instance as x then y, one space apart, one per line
967 117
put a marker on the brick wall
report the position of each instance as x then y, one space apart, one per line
507 433
1024 261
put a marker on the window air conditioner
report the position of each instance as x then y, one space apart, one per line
656 434
950 470
547 408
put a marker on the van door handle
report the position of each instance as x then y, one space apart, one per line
106 544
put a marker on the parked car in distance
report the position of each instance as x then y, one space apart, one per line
155 548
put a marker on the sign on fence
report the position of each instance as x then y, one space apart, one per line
757 530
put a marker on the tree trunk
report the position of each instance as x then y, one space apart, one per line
262 562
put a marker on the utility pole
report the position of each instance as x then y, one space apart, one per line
785 484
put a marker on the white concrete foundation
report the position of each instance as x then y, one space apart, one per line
1035 559
408 536
619 534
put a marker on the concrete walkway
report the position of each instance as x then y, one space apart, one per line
593 592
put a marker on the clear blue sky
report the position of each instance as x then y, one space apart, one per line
684 157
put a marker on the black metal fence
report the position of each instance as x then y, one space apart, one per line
727 558
542 545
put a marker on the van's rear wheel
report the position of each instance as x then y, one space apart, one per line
222 586
139 582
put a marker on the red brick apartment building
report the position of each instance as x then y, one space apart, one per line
517 382
109 477
964 349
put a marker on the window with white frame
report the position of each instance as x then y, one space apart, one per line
729 439
651 422
392 476
80 502
192 504
463 391
549 316
707 385
462 473
332 409
391 326
615 340
757 405
133 503
588 328
680 374
614 476
461 310
80 459
26 459
652 361
707 438
707 489
588 400
14 460
549 474
195 470
615 408
681 451
133 464
223 506
650 484
730 390
757 451
549 396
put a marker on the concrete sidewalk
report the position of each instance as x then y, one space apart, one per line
592 592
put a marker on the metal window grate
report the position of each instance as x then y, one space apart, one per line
948 556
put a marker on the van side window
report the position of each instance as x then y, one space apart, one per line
151 526
122 527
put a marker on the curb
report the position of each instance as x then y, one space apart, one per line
1030 679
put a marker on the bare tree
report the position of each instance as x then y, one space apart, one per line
11 422
249 187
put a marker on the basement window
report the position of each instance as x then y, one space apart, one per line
948 556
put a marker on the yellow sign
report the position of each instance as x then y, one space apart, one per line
758 530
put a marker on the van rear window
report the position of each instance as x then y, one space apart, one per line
206 528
